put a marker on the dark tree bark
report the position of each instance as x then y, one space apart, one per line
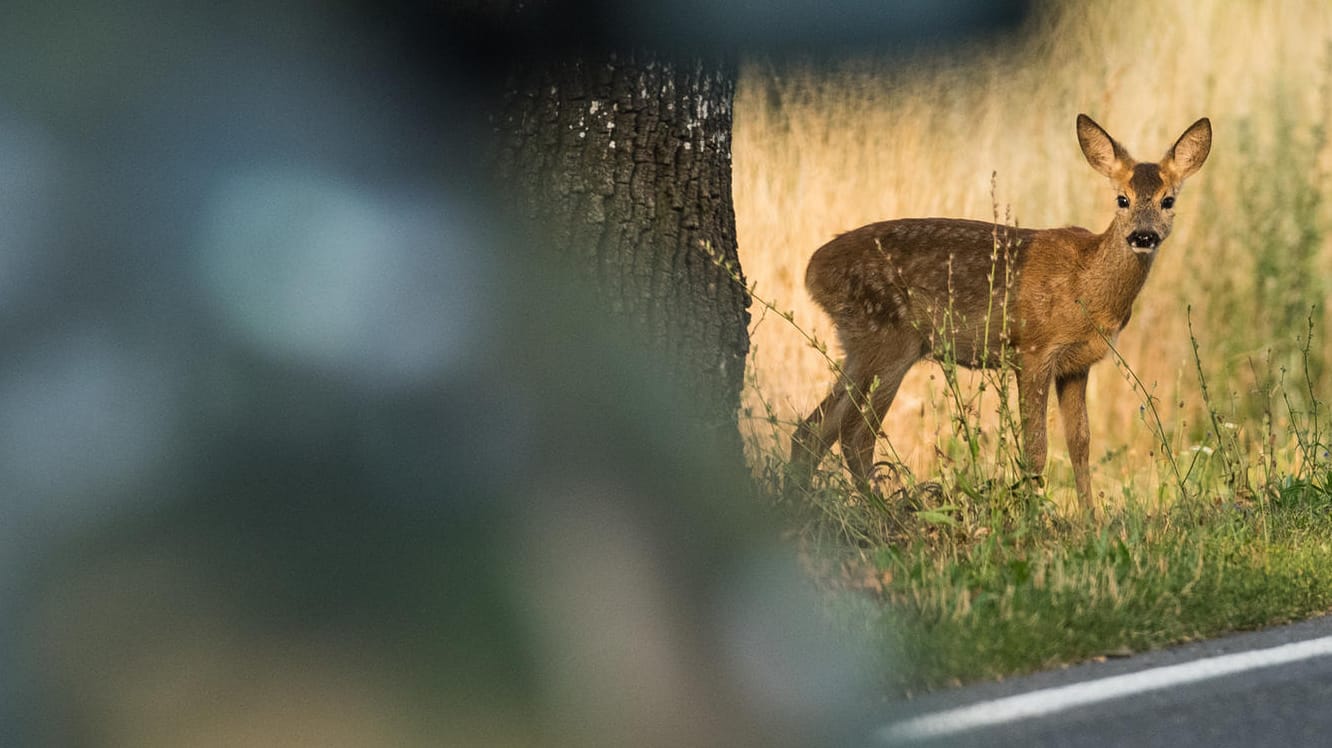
622 163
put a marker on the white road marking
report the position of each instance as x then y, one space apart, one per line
1052 700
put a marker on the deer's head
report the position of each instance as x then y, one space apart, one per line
1144 193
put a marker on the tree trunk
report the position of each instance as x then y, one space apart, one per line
623 165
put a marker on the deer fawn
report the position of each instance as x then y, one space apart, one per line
972 291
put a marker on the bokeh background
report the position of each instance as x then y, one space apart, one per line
303 441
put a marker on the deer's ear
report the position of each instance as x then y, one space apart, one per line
1101 150
1188 153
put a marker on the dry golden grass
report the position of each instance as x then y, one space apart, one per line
820 150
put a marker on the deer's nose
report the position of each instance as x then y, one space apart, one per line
1144 239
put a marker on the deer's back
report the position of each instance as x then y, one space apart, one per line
918 274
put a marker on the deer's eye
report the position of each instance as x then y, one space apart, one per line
1167 202
1123 201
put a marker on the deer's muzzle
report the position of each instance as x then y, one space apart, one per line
1144 241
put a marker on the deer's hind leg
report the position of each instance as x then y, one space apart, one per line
860 425
812 441
816 435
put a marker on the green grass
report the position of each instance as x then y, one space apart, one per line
1013 603
964 593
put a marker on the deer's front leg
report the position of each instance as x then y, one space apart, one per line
1072 391
1033 398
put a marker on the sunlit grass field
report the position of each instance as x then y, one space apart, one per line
987 131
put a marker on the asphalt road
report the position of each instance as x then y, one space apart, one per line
1218 693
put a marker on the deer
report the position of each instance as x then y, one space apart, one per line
1048 302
